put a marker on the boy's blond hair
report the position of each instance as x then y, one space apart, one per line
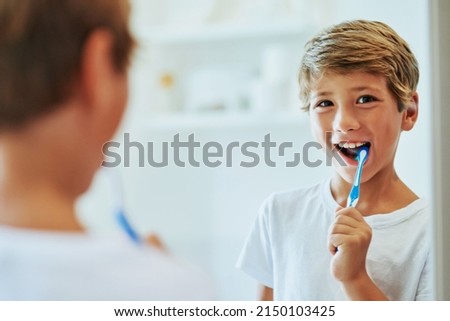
41 44
360 45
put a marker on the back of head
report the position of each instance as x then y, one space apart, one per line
40 49
361 45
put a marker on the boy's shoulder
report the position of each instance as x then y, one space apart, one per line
81 260
301 190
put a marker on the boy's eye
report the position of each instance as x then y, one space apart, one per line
365 99
324 103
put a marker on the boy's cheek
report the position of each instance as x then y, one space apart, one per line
323 138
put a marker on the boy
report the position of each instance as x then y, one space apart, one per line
63 89
358 82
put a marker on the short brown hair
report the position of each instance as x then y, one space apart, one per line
361 45
40 47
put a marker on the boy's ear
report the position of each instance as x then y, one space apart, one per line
97 68
410 113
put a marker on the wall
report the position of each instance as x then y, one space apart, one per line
440 45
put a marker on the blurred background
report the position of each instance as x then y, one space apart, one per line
225 71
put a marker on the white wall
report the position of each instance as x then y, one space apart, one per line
440 44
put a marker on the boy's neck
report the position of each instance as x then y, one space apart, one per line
383 193
37 179
39 209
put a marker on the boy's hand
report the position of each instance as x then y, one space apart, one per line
348 240
154 240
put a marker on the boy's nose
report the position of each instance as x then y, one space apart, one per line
345 120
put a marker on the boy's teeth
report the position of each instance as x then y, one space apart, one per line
350 145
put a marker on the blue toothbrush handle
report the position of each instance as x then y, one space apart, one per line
353 196
126 226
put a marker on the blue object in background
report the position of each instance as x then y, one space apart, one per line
126 226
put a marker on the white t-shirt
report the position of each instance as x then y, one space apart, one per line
287 248
38 265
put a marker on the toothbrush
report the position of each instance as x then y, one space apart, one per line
120 215
361 157
126 226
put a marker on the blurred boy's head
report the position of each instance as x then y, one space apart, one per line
41 49
63 87
360 45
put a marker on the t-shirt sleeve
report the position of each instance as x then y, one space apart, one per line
424 290
256 255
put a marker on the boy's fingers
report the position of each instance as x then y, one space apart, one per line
342 229
332 247
335 241
347 220
154 240
350 212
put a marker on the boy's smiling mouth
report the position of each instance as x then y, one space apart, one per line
350 149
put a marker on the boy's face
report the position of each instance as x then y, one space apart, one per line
357 108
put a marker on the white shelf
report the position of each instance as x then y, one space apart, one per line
243 43
217 33
223 120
